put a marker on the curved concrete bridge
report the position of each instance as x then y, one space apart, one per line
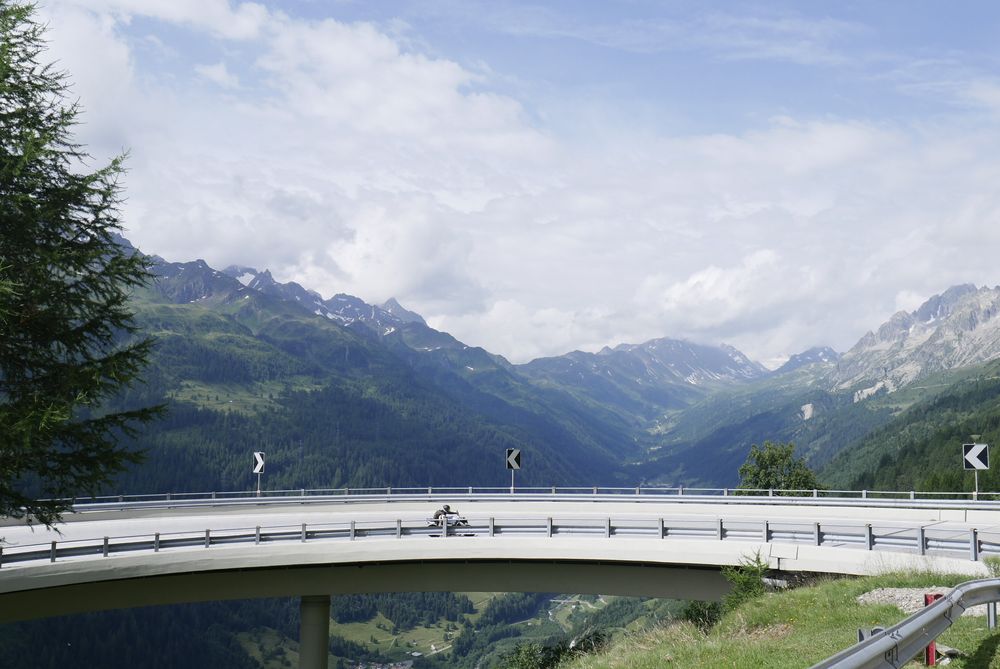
135 554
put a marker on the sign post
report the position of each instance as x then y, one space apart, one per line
513 462
258 467
976 456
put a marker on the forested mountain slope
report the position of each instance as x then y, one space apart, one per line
244 370
920 449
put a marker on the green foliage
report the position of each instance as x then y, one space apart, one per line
66 344
921 448
513 607
404 610
539 656
529 656
702 615
775 466
747 581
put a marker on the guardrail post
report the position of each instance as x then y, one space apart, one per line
637 490
663 529
303 532
399 528
302 492
767 531
595 489
52 552
121 498
911 495
553 490
991 615
864 494
256 536
156 542
680 490
869 537
107 547
548 527
817 535
388 490
208 538
607 530
770 492
718 529
921 541
974 544
725 492
815 492
168 496
354 531
213 494
430 490
1 556
492 528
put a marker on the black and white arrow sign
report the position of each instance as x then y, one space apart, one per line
976 456
258 462
513 458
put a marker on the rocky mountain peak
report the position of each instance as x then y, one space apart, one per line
823 355
940 306
393 307
954 329
241 273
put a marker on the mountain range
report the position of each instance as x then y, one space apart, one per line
240 348
339 392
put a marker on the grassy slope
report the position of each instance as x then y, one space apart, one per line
792 629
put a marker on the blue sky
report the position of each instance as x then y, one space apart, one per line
539 177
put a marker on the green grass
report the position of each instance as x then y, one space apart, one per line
270 649
792 629
243 398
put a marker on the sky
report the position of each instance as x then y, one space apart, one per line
536 178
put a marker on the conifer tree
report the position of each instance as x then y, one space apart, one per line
67 340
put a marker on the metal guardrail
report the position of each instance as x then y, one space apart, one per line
898 644
827 498
654 491
915 539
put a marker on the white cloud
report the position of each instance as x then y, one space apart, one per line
352 161
218 74
222 18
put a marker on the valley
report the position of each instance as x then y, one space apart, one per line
341 393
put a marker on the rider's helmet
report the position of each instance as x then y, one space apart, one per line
446 507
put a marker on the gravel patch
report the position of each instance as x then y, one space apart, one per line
911 600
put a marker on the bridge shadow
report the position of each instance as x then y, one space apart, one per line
985 653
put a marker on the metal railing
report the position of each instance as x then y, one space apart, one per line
881 498
898 644
914 539
678 491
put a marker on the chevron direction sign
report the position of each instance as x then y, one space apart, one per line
976 456
258 462
513 458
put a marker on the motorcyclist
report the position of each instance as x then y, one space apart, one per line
441 515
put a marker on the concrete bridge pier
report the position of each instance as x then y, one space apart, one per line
314 631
